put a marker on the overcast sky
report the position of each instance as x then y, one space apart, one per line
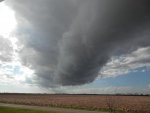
75 46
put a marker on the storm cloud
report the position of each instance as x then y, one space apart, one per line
67 42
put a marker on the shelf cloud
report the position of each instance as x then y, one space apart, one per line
68 42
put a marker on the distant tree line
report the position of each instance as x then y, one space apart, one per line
117 94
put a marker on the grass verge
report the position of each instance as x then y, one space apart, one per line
18 110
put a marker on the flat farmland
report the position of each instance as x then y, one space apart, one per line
89 102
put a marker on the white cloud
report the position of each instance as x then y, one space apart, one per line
14 72
7 21
11 69
127 63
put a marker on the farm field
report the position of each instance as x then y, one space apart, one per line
137 104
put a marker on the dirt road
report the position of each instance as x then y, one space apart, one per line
61 110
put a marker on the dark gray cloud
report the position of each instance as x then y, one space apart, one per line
67 42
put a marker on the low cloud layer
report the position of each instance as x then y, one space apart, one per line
68 42
99 90
149 86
